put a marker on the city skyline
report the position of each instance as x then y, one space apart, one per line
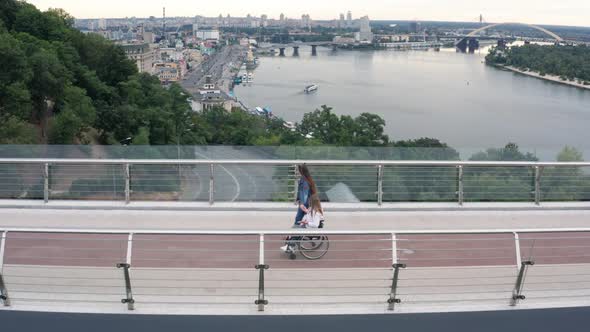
566 12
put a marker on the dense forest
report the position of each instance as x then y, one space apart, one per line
568 62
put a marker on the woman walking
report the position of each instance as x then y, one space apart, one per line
305 190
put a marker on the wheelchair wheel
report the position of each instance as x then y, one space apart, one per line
310 242
314 247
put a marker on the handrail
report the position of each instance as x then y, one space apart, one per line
293 232
283 162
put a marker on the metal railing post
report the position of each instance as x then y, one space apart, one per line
538 173
127 184
126 266
3 290
393 300
394 257
517 292
211 184
460 187
393 294
261 302
380 185
518 252
46 182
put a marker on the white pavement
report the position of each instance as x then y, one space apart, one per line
272 217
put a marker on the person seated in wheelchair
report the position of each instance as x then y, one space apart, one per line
313 219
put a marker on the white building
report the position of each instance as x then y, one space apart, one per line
349 19
102 24
207 35
148 37
264 21
306 21
142 54
365 33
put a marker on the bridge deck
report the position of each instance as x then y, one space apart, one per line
75 271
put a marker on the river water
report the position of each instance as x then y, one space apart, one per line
446 95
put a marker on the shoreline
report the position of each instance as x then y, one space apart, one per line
550 78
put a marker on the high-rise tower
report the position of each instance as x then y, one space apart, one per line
164 23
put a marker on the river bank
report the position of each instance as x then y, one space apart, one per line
547 77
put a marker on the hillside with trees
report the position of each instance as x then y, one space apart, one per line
568 62
60 86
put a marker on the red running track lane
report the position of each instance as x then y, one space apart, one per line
61 249
195 251
452 250
551 248
346 251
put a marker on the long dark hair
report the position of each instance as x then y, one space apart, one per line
304 171
315 204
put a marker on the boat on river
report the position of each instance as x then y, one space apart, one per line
311 88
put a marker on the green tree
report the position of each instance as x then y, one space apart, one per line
369 130
142 137
322 124
16 131
565 183
47 84
64 128
511 152
76 100
570 154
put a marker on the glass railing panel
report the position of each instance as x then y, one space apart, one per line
565 184
346 184
254 183
86 182
187 183
419 184
328 270
499 184
23 181
195 271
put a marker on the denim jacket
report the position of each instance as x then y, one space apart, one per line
303 192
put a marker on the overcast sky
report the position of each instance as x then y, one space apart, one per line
558 12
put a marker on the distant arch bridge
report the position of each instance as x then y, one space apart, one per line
470 40
474 33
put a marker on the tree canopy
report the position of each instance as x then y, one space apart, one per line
60 84
568 62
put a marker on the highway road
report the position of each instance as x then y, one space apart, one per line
218 66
